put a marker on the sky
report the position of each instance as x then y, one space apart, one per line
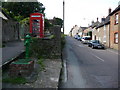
78 12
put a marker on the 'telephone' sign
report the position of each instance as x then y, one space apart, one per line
35 16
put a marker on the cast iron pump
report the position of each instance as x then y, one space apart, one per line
27 45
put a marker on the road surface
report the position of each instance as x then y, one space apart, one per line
87 67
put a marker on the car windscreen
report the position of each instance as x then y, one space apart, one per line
95 41
87 38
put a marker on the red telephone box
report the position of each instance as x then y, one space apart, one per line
37 25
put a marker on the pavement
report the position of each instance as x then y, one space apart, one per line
49 78
11 50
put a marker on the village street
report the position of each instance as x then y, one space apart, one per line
87 67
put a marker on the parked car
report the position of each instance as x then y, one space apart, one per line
96 44
86 39
76 36
79 38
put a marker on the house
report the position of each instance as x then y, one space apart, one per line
2 17
103 30
70 33
107 31
93 29
75 30
114 22
82 31
87 32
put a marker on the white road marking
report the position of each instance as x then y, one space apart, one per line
80 45
65 71
54 79
97 57
0 66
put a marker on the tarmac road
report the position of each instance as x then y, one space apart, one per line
89 68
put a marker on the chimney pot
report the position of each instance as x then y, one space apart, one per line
97 18
109 11
103 19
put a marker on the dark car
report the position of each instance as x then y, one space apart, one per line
96 44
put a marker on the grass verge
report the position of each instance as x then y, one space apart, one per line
40 62
17 80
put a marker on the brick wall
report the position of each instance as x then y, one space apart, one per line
17 70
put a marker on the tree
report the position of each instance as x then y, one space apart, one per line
22 0
58 21
21 10
47 24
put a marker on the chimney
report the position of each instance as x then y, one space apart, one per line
103 19
97 19
109 11
92 22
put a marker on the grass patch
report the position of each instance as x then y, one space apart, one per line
51 36
17 80
42 66
1 45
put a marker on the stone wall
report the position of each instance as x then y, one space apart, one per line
10 30
48 48
57 40
0 31
23 30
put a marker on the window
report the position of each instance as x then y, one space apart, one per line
116 38
116 18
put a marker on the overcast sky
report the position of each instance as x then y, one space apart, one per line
78 12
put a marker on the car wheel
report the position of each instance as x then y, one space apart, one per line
103 48
92 47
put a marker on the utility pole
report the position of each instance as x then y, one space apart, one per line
63 14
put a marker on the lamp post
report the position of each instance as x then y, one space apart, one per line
63 14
